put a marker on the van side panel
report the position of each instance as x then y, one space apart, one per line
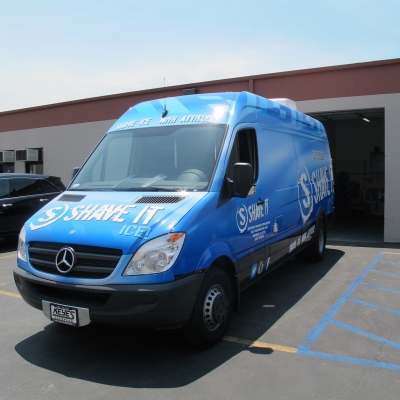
315 177
278 174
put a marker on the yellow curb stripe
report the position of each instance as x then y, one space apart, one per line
264 345
10 294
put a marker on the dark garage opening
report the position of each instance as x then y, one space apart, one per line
357 142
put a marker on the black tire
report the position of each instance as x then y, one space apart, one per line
316 251
212 310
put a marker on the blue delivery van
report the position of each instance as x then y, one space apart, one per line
185 202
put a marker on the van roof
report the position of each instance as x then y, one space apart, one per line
221 108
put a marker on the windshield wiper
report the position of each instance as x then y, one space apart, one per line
92 190
147 189
134 189
162 189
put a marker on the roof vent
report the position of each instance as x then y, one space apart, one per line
286 102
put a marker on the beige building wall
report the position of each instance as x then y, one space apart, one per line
64 147
391 104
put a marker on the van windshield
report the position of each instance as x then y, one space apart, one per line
150 159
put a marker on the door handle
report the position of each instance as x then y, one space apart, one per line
7 205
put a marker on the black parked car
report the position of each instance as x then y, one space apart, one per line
21 195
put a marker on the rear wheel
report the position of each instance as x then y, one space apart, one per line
212 310
316 251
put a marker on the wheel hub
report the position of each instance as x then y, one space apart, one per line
216 306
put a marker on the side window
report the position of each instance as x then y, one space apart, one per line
244 151
25 187
49 187
4 189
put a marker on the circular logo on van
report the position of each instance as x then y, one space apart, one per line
50 215
306 200
242 218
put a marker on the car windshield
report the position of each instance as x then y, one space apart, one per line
165 158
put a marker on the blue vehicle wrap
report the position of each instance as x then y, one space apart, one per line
108 216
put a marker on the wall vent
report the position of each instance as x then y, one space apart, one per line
27 155
7 156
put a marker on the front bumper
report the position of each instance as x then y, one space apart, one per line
157 306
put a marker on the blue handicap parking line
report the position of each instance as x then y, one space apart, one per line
370 363
328 318
385 289
370 305
365 334
392 262
386 273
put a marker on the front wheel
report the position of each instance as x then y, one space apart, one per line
212 310
316 251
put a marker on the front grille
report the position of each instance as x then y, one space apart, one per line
158 199
71 296
92 262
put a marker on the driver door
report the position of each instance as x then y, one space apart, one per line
248 217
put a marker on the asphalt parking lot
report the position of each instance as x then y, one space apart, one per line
327 331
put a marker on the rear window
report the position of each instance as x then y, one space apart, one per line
4 189
25 187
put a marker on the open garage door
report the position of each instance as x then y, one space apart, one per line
357 141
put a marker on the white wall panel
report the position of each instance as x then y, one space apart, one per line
391 104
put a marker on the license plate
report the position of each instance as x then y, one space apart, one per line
63 314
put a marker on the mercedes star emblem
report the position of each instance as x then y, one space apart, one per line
65 260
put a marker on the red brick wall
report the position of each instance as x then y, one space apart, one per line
378 77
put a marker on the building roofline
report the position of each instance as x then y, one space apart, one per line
210 83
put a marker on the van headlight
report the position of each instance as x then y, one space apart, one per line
21 245
155 256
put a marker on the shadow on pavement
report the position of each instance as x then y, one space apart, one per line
265 302
160 359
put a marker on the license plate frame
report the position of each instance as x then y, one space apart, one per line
64 314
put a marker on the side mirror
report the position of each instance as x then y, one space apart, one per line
243 179
74 172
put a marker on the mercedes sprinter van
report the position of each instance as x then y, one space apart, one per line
185 202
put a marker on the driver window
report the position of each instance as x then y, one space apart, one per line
244 151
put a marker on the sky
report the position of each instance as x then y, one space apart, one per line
53 51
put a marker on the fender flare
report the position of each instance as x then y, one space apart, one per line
216 250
